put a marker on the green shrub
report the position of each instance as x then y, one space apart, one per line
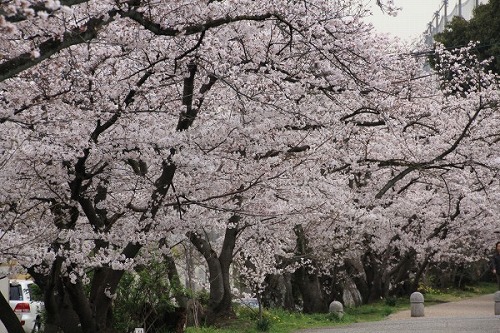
246 312
388 310
391 301
263 324
142 299
427 289
332 316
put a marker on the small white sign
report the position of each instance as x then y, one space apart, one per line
139 330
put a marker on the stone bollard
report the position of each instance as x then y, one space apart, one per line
337 309
417 304
497 303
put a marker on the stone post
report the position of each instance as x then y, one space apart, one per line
497 303
417 304
337 309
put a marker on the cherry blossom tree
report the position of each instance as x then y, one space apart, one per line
420 180
243 127
127 122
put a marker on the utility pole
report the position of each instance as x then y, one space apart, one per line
429 36
445 3
460 8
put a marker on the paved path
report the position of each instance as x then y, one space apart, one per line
474 315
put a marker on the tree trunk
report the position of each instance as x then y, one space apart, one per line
278 292
310 290
289 303
356 270
219 305
57 303
373 277
81 305
175 282
8 317
308 283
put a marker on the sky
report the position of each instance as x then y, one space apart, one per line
411 22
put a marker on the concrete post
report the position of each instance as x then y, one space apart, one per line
417 304
497 303
337 309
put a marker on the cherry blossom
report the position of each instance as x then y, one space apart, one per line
129 127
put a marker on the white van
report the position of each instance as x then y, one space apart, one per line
25 303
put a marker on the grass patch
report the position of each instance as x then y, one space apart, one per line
280 321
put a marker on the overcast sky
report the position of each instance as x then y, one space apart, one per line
412 20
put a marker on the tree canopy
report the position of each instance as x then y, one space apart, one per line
281 136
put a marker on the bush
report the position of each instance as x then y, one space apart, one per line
428 290
263 324
390 301
335 317
143 299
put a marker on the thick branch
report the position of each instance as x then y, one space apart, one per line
428 165
460 138
39 7
202 245
187 117
89 30
364 110
51 46
394 180
157 29
273 153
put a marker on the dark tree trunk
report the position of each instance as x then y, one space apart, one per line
81 305
59 313
310 289
401 275
289 303
356 271
308 283
373 277
219 305
278 292
332 288
175 282
8 317
420 272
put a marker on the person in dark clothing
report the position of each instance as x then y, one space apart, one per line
495 264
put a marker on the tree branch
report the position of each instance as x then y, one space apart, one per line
39 7
78 35
157 29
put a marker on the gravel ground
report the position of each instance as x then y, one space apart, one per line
474 315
